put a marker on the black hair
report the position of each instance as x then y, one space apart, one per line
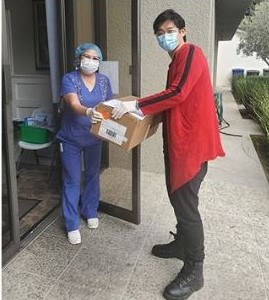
170 15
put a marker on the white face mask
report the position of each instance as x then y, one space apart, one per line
89 66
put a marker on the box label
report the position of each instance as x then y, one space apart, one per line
112 131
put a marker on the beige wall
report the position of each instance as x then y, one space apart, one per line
211 39
200 22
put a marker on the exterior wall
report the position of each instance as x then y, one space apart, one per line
211 39
200 22
228 59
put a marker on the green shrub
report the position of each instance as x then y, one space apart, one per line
254 94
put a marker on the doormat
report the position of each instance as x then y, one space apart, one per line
26 205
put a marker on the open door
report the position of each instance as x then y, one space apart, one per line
10 212
115 31
29 199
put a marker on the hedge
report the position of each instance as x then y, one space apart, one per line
254 94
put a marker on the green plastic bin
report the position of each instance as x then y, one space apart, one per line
35 135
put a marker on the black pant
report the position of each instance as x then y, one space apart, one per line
190 230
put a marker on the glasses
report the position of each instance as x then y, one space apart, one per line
169 31
90 57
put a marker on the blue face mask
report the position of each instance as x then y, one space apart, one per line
168 41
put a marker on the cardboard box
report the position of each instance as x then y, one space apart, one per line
126 132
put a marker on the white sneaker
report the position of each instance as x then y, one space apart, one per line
74 237
92 223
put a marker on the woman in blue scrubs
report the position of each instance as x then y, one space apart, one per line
81 90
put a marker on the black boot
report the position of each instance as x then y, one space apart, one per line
190 279
175 249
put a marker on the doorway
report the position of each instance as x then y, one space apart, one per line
114 27
29 198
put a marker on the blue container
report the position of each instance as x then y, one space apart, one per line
238 72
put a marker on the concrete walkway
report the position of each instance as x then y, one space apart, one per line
114 261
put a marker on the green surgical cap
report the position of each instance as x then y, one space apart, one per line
88 46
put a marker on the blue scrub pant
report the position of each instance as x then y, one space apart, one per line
71 183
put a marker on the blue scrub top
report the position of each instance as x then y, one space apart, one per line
75 128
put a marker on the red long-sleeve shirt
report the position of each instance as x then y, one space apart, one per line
190 126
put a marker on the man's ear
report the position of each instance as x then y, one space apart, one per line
183 31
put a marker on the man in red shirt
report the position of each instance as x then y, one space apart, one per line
190 138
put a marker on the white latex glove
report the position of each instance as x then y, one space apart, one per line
123 107
94 115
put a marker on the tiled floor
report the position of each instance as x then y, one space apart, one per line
32 184
114 261
37 197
